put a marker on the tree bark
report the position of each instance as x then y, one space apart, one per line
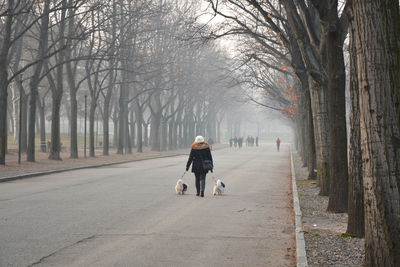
355 223
377 35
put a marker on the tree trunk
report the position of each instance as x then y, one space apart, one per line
123 109
15 108
311 157
321 129
164 134
377 37
24 122
74 125
32 120
92 111
106 127
57 92
139 125
338 174
318 83
5 46
132 125
156 126
146 135
111 79
115 122
155 133
35 80
42 126
55 145
355 223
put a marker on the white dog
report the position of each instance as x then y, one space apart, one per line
219 188
180 187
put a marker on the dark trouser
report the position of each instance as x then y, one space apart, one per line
200 182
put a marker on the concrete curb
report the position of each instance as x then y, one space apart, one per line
34 174
300 243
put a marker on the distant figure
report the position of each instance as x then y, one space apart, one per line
235 141
248 141
240 141
278 143
231 142
257 141
210 142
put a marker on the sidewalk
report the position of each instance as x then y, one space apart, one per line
13 171
324 233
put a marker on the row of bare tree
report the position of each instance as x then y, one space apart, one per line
297 45
136 62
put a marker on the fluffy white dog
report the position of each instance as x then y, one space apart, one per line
180 187
219 188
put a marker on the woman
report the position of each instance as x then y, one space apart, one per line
199 152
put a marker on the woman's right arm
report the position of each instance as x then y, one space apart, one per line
209 156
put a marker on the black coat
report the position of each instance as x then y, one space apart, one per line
199 152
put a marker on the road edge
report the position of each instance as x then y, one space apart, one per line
301 255
34 174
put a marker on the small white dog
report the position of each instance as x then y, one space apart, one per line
180 187
219 188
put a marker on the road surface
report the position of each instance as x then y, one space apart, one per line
129 215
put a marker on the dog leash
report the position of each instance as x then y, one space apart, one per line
183 174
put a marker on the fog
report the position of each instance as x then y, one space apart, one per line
122 76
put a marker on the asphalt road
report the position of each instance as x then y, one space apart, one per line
129 215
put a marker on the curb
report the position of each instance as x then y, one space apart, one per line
34 174
301 256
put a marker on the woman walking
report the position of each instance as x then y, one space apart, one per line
200 152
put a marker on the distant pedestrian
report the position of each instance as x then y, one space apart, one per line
200 152
278 143
240 142
230 142
235 141
257 141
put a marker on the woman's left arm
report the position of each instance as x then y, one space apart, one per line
189 160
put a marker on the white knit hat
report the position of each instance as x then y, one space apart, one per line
199 139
